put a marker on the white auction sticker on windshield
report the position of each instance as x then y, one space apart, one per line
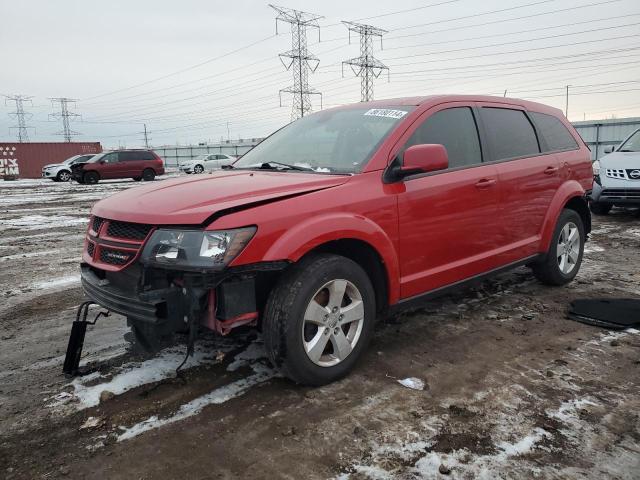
385 112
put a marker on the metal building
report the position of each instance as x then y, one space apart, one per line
174 155
599 134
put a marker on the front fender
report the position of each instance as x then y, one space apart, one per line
566 192
307 235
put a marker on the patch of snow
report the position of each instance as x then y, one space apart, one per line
56 283
39 222
40 253
195 406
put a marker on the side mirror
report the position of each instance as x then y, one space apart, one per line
609 149
424 158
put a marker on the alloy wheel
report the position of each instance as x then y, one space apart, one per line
198 169
333 323
64 176
568 248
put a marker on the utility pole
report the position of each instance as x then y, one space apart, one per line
566 104
65 115
366 66
20 115
299 60
146 136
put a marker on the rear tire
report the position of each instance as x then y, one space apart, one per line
600 208
148 175
91 178
562 262
319 318
63 176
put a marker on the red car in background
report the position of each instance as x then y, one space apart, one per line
343 215
135 164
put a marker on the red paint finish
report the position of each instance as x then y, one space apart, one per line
428 230
31 157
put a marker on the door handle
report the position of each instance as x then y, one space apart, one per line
486 183
550 170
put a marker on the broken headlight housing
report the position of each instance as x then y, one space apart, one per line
195 249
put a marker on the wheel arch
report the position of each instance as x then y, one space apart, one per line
357 238
570 195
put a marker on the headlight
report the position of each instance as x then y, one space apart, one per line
596 168
195 249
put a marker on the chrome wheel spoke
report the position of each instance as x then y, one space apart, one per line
573 256
341 345
316 313
352 312
315 347
337 289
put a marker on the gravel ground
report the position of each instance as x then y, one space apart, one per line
512 388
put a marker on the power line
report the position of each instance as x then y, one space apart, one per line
177 72
301 61
366 66
65 115
20 115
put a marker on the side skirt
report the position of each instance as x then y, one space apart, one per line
419 300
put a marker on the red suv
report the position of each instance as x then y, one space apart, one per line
340 216
136 164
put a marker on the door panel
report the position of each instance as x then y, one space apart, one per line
528 178
449 228
449 221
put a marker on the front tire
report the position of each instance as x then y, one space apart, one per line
319 318
198 169
600 208
562 261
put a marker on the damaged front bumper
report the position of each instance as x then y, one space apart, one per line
170 300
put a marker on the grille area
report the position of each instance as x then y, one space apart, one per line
91 248
622 193
130 231
114 257
97 223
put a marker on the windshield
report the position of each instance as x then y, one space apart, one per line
70 161
632 144
340 141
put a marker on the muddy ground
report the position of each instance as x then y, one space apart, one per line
513 388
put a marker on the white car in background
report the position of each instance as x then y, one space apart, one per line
207 163
61 172
616 177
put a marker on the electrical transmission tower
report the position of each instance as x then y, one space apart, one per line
298 59
366 66
65 115
20 115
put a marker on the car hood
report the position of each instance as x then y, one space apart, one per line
621 160
191 201
52 165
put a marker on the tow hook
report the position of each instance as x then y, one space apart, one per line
71 366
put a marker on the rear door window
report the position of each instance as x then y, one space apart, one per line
146 156
455 129
555 134
128 156
510 133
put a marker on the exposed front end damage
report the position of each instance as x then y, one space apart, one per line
159 278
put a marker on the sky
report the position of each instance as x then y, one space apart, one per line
198 71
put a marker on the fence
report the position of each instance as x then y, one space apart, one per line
174 156
599 134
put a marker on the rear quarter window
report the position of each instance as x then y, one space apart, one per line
510 133
555 134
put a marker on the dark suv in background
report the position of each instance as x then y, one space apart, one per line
135 164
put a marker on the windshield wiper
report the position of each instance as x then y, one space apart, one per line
268 165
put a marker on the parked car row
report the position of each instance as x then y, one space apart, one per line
137 164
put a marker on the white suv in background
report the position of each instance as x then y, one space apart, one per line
61 172
616 177
207 163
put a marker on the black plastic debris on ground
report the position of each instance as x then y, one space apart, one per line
611 313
